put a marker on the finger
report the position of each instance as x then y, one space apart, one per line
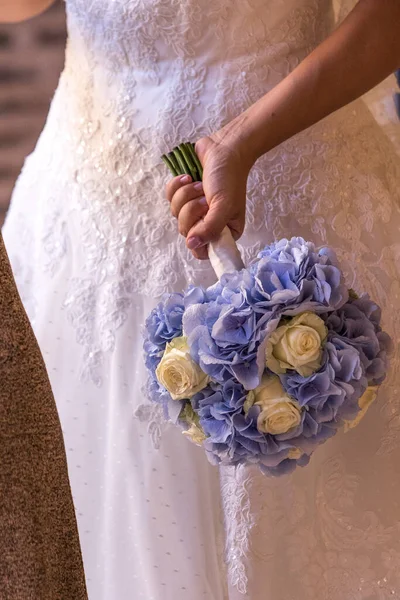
184 195
174 184
190 214
201 253
209 228
201 148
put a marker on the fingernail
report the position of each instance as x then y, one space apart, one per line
203 200
194 242
198 186
185 179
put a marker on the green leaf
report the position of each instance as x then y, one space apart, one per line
353 295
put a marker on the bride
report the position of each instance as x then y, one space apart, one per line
93 247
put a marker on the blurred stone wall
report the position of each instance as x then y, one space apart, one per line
31 59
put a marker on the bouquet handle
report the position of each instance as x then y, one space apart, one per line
224 254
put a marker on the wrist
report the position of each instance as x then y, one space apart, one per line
251 133
268 122
238 135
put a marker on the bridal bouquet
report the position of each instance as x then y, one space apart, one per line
270 361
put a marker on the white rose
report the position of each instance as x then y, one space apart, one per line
295 453
279 412
195 434
297 345
178 372
364 403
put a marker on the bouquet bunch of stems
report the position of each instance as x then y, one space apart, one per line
183 160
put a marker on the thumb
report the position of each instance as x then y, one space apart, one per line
209 228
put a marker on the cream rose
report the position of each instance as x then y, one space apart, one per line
364 403
297 345
295 454
178 372
195 434
279 412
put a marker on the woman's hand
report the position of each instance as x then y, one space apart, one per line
204 209
13 11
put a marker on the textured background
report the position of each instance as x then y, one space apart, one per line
31 58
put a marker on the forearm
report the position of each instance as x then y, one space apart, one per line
358 55
12 11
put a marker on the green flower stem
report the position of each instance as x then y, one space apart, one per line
187 155
196 161
175 163
170 165
183 160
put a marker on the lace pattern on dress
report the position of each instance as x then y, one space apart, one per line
153 416
235 483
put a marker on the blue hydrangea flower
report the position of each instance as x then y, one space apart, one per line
198 295
227 338
162 325
332 393
285 467
358 323
233 436
290 275
299 249
165 321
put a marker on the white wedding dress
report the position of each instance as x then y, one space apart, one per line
93 247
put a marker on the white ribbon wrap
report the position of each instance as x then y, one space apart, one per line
224 254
